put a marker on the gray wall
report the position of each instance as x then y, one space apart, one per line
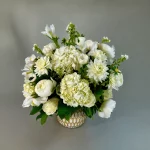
126 23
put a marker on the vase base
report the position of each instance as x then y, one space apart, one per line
75 121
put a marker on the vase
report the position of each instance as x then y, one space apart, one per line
76 120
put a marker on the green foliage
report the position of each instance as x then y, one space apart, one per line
73 35
37 49
98 93
39 116
83 71
65 111
43 118
35 109
90 111
55 40
105 40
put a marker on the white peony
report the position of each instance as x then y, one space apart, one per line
125 56
107 108
109 51
48 49
49 31
76 91
98 54
115 81
50 106
45 88
97 71
42 65
30 101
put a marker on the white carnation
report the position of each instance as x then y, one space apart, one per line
97 71
109 51
30 101
107 108
50 106
76 91
98 54
48 49
115 80
45 88
42 65
49 31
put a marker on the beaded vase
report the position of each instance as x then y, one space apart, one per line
76 120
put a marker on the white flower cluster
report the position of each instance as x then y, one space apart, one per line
76 91
68 58
81 73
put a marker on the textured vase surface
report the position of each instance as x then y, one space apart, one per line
76 120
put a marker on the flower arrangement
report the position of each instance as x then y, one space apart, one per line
77 75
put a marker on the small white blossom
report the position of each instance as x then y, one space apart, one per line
45 88
109 51
107 108
125 56
48 49
42 65
98 54
97 71
30 101
115 80
49 31
83 59
50 106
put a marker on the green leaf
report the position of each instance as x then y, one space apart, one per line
90 111
35 109
98 93
65 111
43 118
39 116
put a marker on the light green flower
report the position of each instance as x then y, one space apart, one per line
76 91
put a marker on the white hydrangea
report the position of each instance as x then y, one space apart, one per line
66 59
115 81
109 51
28 89
30 101
48 49
97 71
76 91
50 106
98 54
107 108
45 88
108 94
42 65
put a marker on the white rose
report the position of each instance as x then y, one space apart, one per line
45 88
50 106
48 49
83 59
107 108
